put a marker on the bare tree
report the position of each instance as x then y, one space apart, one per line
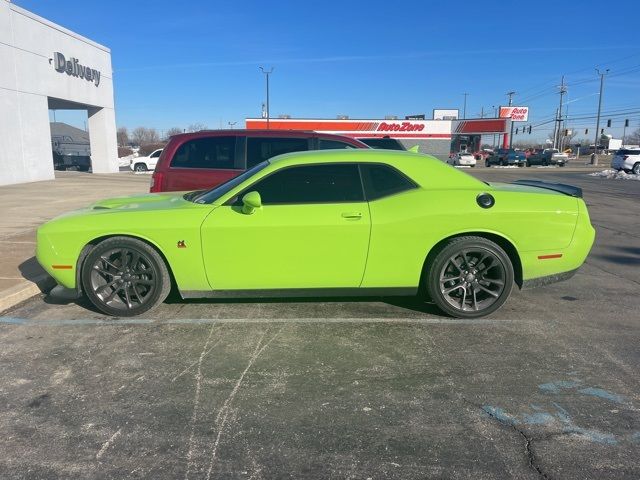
143 136
171 132
196 127
632 138
565 140
122 135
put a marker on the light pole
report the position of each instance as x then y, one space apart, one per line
267 73
464 108
594 157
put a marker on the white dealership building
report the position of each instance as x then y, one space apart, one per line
44 66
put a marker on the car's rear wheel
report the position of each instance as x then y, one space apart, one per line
636 168
545 163
470 277
140 167
486 163
124 276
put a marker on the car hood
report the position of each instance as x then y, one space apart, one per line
147 201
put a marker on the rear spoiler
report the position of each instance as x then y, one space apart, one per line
556 187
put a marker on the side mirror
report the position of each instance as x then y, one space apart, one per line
250 202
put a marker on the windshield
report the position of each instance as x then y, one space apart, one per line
210 196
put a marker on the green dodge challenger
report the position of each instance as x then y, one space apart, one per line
329 223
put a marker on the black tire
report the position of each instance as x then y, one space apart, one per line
545 163
561 164
487 164
140 167
129 288
486 265
502 163
636 168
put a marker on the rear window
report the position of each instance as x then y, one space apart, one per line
210 152
260 149
628 152
383 143
382 181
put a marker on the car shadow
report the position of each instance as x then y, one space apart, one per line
31 270
412 303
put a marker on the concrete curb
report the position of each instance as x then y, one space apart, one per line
26 289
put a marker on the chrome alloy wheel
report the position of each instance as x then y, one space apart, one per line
472 279
123 278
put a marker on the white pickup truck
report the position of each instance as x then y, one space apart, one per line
548 156
143 164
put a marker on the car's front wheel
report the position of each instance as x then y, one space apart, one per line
140 167
636 168
124 276
469 277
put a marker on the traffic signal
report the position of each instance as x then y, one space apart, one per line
586 131
516 131
609 123
566 133
602 131
626 123
529 129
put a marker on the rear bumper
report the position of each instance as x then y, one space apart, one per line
547 266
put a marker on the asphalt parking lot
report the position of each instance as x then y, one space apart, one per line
547 387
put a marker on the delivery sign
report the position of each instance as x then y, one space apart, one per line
516 114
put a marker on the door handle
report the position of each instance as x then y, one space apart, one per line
351 215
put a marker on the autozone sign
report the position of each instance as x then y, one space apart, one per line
516 114
400 127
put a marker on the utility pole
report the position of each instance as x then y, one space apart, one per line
464 108
556 138
482 112
594 157
267 73
555 128
510 95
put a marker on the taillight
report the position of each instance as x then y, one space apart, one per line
624 157
156 182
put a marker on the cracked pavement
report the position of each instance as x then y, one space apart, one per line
545 388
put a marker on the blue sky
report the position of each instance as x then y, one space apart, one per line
177 63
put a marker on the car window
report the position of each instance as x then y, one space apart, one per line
383 180
260 149
156 154
209 152
333 145
331 183
628 152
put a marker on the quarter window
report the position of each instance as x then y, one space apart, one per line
211 152
382 180
260 149
329 183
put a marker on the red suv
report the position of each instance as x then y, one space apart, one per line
193 161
